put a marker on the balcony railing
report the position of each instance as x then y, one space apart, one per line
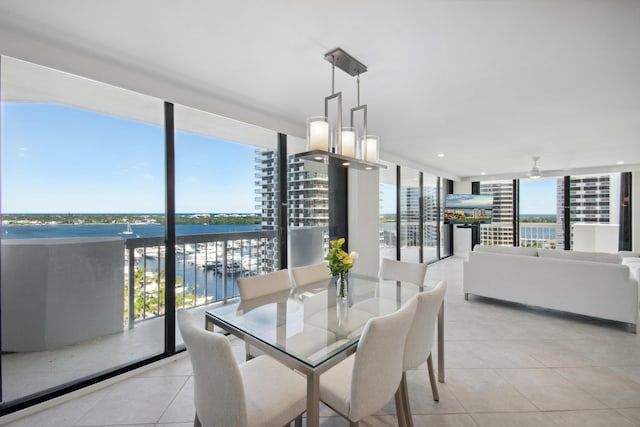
539 235
207 269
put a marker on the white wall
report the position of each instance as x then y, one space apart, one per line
461 236
364 217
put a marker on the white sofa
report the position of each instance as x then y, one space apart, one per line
602 285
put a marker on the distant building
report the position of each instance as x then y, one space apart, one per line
593 199
500 231
308 198
410 216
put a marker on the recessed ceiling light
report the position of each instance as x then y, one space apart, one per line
483 173
368 168
620 163
440 154
318 158
346 164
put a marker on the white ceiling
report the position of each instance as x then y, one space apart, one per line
489 83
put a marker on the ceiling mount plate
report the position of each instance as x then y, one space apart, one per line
345 62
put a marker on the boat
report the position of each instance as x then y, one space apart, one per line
128 230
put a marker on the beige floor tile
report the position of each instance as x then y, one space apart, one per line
552 353
548 390
505 354
65 414
174 425
592 418
606 385
443 420
629 372
182 408
632 414
483 390
512 419
374 421
135 401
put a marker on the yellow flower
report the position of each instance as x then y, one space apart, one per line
339 260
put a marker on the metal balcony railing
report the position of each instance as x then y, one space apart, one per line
207 269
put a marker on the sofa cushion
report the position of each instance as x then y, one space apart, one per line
603 257
630 261
508 250
629 254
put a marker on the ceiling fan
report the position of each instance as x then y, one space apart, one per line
535 172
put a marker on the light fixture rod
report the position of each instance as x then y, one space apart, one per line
358 89
333 76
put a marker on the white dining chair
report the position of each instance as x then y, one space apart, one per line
260 392
363 383
385 298
265 284
257 287
310 274
420 341
403 271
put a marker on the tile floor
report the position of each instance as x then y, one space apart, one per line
506 365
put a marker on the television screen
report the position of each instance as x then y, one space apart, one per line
468 209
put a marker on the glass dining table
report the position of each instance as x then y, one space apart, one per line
309 329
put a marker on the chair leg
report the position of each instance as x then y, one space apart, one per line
354 423
404 389
247 355
432 379
400 410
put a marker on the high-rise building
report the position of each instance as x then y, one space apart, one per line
308 197
267 195
500 231
593 199
410 216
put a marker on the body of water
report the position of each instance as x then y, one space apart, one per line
110 230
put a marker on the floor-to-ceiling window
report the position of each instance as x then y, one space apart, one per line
82 173
431 218
388 211
410 215
225 223
540 216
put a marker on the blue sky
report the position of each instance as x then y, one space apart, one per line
60 159
538 196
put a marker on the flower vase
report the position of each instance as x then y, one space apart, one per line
342 286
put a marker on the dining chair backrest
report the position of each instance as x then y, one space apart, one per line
213 364
413 272
266 284
310 273
421 333
377 367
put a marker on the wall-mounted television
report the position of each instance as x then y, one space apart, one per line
468 209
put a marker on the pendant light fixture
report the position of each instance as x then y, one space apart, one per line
327 139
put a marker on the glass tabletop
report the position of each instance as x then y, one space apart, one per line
310 323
